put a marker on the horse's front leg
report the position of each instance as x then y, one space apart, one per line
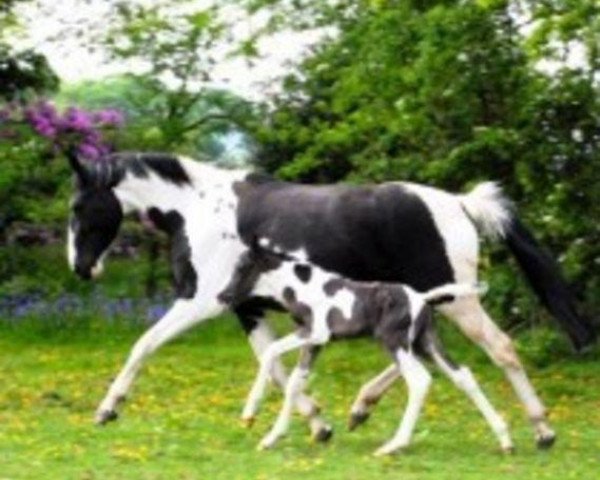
260 336
182 315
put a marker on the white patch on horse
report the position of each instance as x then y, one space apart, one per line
71 251
454 226
416 305
309 293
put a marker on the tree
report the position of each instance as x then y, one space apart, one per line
176 45
24 73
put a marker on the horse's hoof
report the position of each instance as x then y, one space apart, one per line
106 416
266 444
247 422
545 442
387 450
357 419
508 450
323 435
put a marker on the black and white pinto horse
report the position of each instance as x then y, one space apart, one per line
394 232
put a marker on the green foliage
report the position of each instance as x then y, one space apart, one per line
45 270
33 187
24 72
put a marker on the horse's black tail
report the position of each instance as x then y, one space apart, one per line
547 282
488 208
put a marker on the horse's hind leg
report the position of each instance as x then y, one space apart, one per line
260 337
462 377
475 323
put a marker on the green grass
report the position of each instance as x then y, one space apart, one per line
181 420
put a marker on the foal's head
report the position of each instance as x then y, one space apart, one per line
95 216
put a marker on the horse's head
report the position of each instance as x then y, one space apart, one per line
95 217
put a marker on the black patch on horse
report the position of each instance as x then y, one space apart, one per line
136 166
168 168
184 274
250 312
395 319
303 272
300 312
95 221
366 233
289 296
331 287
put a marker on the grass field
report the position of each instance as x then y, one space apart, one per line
181 421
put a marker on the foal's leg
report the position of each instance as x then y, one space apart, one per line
182 315
418 380
260 337
272 353
369 395
473 320
295 386
462 377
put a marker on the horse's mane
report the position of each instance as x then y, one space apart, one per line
110 170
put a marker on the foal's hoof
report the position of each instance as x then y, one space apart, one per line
357 419
323 435
545 442
105 416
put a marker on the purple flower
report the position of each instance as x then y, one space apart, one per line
48 111
88 151
156 312
77 119
109 117
75 126
44 127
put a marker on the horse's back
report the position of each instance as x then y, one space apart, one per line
395 232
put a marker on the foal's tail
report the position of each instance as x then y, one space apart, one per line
451 291
489 209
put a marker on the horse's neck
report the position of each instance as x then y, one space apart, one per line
208 185
208 179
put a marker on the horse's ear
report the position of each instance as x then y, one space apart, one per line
83 175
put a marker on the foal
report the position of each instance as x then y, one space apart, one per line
326 306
